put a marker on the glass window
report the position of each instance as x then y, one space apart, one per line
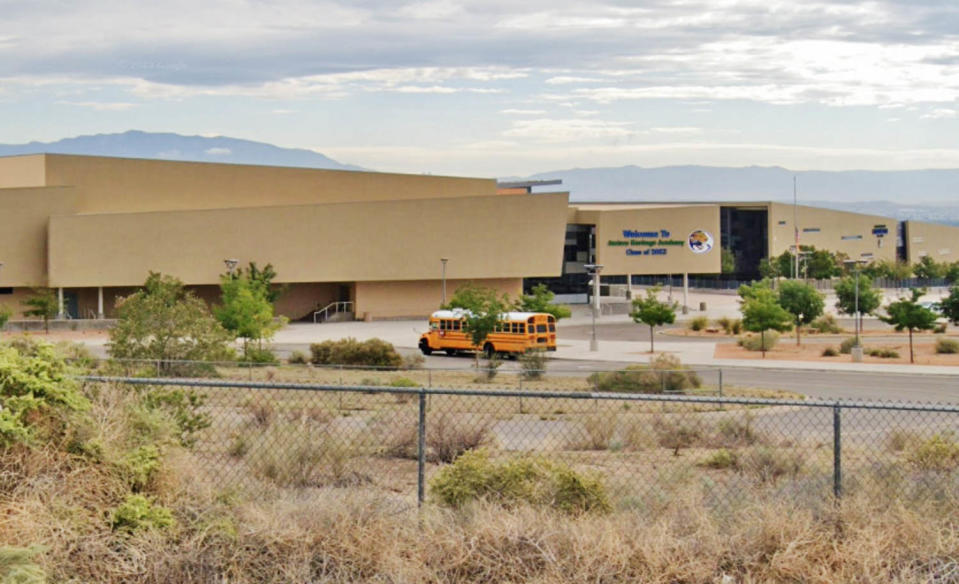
552 328
541 328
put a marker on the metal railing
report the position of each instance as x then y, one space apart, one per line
324 313
644 450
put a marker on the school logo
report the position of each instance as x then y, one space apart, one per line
700 241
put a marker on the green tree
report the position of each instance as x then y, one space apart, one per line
5 314
908 314
802 301
43 304
653 312
927 268
481 320
165 323
246 310
762 312
891 270
769 268
784 264
727 261
820 264
747 291
541 300
950 305
474 298
869 298
262 279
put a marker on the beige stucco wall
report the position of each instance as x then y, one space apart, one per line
24 214
940 242
22 171
497 236
680 221
119 185
419 298
833 227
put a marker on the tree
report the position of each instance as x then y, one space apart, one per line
928 269
263 279
769 268
952 273
727 261
43 304
950 305
869 298
541 300
653 312
5 314
747 291
474 298
907 313
820 264
165 323
481 320
246 310
801 300
762 312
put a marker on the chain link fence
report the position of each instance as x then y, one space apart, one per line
647 450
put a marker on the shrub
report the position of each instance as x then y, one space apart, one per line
730 326
259 355
677 434
940 328
699 323
298 358
771 464
488 373
756 342
946 346
830 352
826 324
533 364
938 453
349 351
720 459
845 347
530 480
140 465
296 455
137 513
732 432
883 353
403 382
899 440
413 361
664 373
597 433
446 437
19 565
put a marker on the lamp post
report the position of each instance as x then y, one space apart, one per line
231 264
594 271
857 322
444 260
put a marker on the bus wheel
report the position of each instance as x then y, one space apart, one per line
425 347
451 352
489 350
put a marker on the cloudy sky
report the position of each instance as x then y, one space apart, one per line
496 87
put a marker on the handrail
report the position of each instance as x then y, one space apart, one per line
337 307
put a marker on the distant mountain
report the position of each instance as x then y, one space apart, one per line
166 146
754 183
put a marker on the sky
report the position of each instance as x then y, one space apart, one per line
500 88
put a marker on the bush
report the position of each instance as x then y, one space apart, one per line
349 351
946 346
756 342
699 323
771 464
733 432
826 324
939 453
298 358
883 353
533 364
845 347
530 480
403 382
488 373
940 328
730 326
664 373
677 434
446 437
720 459
413 361
830 352
137 513
258 355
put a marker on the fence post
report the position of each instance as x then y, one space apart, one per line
421 452
662 381
837 451
720 383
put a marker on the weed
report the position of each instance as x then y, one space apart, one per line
677 434
137 512
721 459
826 324
733 432
403 382
698 323
763 342
938 453
771 464
533 364
947 346
298 358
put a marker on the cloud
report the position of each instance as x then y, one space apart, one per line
677 130
218 151
101 106
567 130
522 112
940 114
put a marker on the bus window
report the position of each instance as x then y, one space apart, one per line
457 325
434 325
552 328
541 328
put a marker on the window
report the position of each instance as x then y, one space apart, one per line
848 237
6 290
782 222
810 230
541 328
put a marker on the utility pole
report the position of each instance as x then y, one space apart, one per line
795 232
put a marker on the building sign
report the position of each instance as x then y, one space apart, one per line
659 242
880 230
700 241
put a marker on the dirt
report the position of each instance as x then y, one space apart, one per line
925 353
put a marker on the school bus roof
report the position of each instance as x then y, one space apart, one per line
463 313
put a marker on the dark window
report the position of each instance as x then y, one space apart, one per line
6 290
552 328
810 230
541 328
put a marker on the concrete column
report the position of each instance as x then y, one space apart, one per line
629 286
60 311
685 292
100 302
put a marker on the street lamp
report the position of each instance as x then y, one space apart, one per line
857 354
594 270
444 260
231 265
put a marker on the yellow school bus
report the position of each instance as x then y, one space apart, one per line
515 334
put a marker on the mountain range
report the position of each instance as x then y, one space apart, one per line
168 146
928 195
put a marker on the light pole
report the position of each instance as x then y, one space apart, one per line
231 265
857 322
594 271
444 260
